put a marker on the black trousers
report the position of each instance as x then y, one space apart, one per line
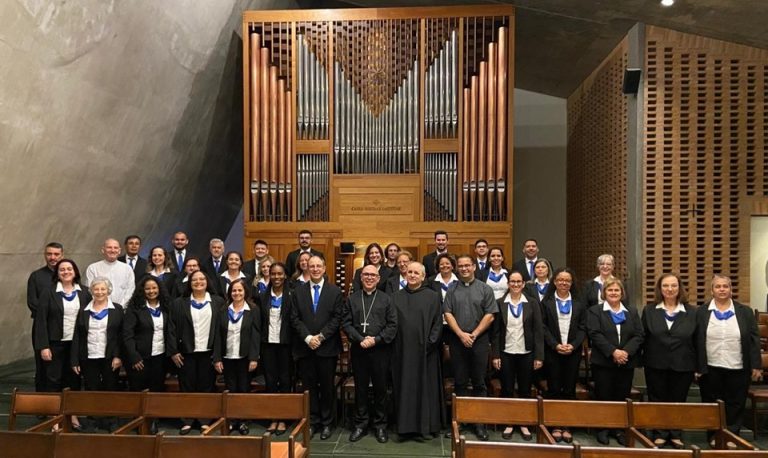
731 386
612 383
371 366
98 374
40 378
196 376
665 385
516 368
237 379
58 372
563 372
317 374
152 377
469 364
277 361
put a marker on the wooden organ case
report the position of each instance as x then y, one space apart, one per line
378 125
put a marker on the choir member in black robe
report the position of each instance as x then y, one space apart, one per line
370 321
416 358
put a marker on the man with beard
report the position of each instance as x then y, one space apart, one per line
305 245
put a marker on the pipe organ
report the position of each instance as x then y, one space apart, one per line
357 119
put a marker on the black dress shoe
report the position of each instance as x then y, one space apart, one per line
621 439
243 429
381 435
602 437
481 432
325 433
153 427
357 434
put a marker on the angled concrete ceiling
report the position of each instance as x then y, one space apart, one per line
559 42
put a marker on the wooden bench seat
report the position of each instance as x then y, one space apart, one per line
28 403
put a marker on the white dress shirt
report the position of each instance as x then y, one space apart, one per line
201 322
275 321
97 333
679 309
500 287
233 335
225 275
70 313
158 340
607 308
514 343
724 340
564 320
119 274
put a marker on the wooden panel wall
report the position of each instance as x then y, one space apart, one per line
597 164
705 158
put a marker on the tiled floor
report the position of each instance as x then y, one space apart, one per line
20 375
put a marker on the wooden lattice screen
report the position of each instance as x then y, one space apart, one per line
705 157
597 168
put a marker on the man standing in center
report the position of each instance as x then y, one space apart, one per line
441 246
305 246
315 318
469 308
118 273
370 321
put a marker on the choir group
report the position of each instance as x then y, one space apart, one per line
407 324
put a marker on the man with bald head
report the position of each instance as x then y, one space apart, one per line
370 322
119 273
416 377
316 317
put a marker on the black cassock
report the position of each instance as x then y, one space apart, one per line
416 361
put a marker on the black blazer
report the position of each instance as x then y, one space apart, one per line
49 321
429 263
250 334
139 268
602 335
175 260
249 267
264 301
578 330
326 321
138 330
114 333
532 290
222 285
669 348
181 330
293 256
533 329
38 283
211 270
521 265
750 336
479 271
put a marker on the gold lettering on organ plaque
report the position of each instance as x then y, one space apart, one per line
366 204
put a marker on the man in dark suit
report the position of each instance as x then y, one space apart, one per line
179 252
132 245
441 246
215 264
481 257
316 317
39 281
531 255
305 245
260 251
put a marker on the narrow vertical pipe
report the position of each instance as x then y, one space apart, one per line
274 136
255 44
265 131
465 154
288 177
491 131
501 123
277 164
473 93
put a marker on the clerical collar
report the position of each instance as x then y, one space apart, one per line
467 283
371 293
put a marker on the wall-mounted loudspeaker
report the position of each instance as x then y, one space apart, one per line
347 247
631 80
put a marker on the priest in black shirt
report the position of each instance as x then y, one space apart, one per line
370 321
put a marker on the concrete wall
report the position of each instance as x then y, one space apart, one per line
539 174
115 118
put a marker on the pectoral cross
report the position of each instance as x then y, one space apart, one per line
364 324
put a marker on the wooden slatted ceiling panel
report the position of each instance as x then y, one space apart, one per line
597 168
705 157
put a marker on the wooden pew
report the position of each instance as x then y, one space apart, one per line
16 444
102 404
181 405
495 411
622 452
269 407
580 414
106 445
699 453
214 446
477 449
668 415
28 403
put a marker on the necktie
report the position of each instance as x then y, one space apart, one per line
482 265
315 298
100 315
530 269
234 318
564 306
722 316
180 259
156 312
516 311
130 262
197 305
216 264
618 318
402 284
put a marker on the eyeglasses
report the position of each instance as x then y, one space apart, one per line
369 275
515 282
